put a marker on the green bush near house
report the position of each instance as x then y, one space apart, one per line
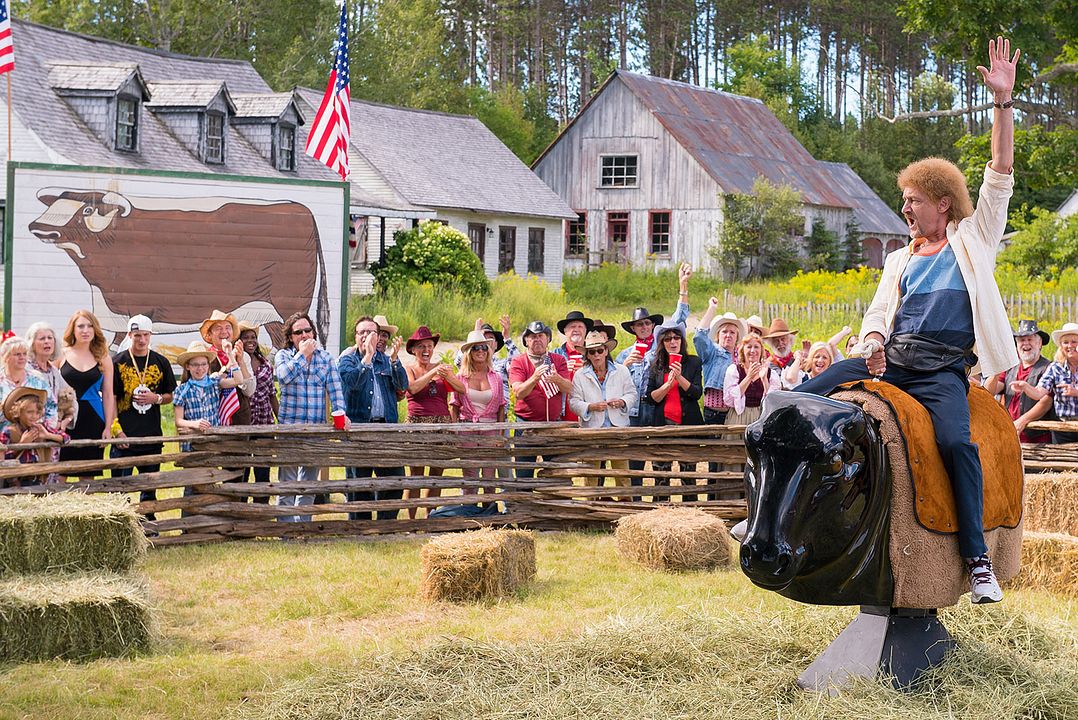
432 253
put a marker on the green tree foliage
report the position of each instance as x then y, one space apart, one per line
823 248
761 71
432 253
1045 244
758 231
853 251
1044 162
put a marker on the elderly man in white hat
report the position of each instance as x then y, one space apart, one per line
142 382
716 340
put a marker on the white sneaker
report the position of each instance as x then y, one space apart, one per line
737 532
983 587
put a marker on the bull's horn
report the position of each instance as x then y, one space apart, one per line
115 198
53 192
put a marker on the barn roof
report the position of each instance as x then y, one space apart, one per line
441 160
873 215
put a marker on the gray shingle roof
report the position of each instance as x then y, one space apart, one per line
98 76
446 161
185 93
872 214
263 105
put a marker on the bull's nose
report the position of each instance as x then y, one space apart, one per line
769 565
46 234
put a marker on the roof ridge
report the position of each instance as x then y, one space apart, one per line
690 86
140 48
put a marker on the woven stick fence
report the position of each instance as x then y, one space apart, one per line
541 470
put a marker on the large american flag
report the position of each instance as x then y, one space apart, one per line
328 139
7 48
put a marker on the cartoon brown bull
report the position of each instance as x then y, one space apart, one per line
178 263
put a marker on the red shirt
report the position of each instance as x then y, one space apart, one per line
1014 407
536 407
672 403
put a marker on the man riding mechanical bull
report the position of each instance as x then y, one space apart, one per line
937 301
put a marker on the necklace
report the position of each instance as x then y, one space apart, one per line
141 374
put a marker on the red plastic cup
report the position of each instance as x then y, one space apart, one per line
339 419
675 358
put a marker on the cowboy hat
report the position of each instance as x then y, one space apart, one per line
421 333
475 337
727 319
778 329
595 340
754 324
536 327
384 326
19 393
1067 329
667 327
245 325
1029 327
610 330
641 313
215 317
575 316
197 348
499 339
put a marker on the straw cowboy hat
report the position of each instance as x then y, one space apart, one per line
421 333
641 313
755 324
727 319
1067 329
197 348
778 329
595 340
575 316
215 317
383 324
245 325
476 337
16 395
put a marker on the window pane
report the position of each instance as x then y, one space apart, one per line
660 233
215 138
286 149
577 241
126 124
536 241
618 171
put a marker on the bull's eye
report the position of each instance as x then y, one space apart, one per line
87 210
836 464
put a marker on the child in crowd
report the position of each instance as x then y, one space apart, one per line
198 397
25 409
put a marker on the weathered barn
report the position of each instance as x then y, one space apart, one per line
881 231
647 163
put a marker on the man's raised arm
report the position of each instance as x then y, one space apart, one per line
999 77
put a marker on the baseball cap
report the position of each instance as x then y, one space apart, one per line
140 323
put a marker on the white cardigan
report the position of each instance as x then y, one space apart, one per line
974 241
586 390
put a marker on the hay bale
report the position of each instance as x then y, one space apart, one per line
1051 504
68 532
1049 562
478 565
73 617
673 539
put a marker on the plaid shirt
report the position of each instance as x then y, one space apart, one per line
304 386
1056 374
199 403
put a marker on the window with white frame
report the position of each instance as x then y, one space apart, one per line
215 138
127 124
618 170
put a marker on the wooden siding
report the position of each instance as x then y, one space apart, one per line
554 231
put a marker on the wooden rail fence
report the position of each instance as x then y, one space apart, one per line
205 498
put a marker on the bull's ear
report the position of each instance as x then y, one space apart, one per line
47 199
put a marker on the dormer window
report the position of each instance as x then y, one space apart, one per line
127 124
215 138
286 148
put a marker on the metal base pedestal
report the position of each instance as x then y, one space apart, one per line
898 643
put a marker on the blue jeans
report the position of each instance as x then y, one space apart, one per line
293 473
366 472
943 395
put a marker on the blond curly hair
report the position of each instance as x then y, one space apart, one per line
939 178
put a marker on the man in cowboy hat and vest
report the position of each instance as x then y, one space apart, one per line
1028 340
219 331
142 382
575 327
540 381
938 300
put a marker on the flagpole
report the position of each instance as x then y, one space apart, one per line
8 75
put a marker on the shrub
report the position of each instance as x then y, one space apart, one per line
432 253
757 233
1045 244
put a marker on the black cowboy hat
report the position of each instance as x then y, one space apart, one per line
642 313
499 339
610 330
536 327
1029 327
575 316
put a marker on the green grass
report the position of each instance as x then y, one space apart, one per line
249 628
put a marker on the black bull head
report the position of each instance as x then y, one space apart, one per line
819 502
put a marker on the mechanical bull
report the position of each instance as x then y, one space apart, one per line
847 505
176 260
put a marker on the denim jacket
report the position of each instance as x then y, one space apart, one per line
359 378
716 359
639 372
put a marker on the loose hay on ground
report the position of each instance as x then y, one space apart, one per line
68 532
673 539
1049 562
73 617
1051 503
483 564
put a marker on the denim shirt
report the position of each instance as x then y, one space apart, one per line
639 372
358 379
715 358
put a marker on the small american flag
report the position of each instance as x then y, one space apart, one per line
7 47
548 386
328 140
230 403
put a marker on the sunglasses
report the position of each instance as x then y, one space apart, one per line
596 351
303 331
479 348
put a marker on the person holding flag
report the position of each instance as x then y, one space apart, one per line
218 330
540 381
331 130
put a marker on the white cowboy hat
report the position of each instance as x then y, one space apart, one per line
477 337
1067 329
727 319
595 340
383 324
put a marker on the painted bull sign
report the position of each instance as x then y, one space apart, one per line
177 248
